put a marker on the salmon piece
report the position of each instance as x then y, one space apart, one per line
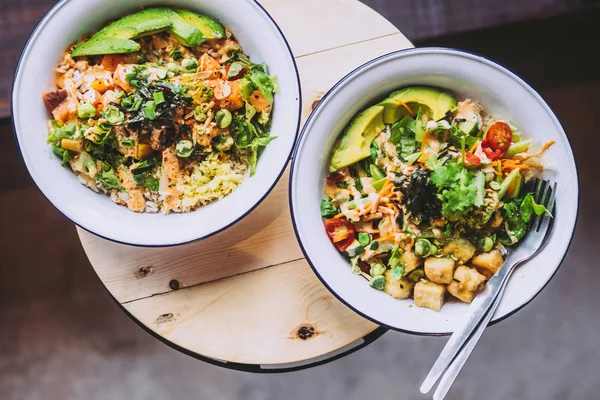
112 61
107 98
120 74
207 63
97 78
170 173
136 201
233 100
93 97
65 111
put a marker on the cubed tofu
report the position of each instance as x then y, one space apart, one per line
410 261
487 273
462 249
466 284
397 288
439 270
491 261
469 278
429 295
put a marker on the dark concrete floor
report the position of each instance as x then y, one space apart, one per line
62 337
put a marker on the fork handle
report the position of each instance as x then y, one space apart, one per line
463 355
476 312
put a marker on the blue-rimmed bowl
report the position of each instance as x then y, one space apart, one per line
502 94
65 23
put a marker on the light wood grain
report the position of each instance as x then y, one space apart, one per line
318 25
240 295
254 318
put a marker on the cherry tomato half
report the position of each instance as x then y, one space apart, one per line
341 232
499 136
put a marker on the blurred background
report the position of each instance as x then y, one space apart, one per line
63 337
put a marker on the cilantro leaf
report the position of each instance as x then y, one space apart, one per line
402 135
461 190
327 209
143 175
109 180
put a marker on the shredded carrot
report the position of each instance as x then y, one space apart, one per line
546 147
386 188
340 215
403 104
472 149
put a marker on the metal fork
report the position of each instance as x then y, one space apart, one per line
483 307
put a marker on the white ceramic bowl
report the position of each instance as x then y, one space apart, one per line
501 93
66 22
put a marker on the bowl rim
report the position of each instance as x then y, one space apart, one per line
354 73
34 34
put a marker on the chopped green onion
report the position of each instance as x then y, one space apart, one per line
176 55
159 97
223 118
172 67
113 115
377 282
377 269
374 245
364 238
184 148
189 65
150 110
200 115
130 75
127 143
86 110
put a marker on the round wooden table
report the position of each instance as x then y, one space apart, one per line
246 298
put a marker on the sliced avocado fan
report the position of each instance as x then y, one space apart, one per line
433 102
116 38
355 144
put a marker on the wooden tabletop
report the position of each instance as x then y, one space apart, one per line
247 295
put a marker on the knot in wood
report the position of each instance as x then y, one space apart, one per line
306 332
143 271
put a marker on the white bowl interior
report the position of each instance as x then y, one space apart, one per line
503 95
258 36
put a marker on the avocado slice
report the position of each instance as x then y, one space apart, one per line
356 142
99 46
210 28
434 102
187 34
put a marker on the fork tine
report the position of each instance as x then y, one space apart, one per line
547 219
541 199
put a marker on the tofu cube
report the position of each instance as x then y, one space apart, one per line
410 261
439 270
467 284
485 272
491 261
397 288
429 295
462 249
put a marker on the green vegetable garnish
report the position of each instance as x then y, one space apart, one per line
109 180
328 210
176 55
189 65
150 110
86 111
223 118
234 69
397 272
127 143
377 282
184 148
364 238
461 190
159 97
377 269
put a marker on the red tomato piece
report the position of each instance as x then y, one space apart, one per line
472 159
499 136
489 152
341 232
